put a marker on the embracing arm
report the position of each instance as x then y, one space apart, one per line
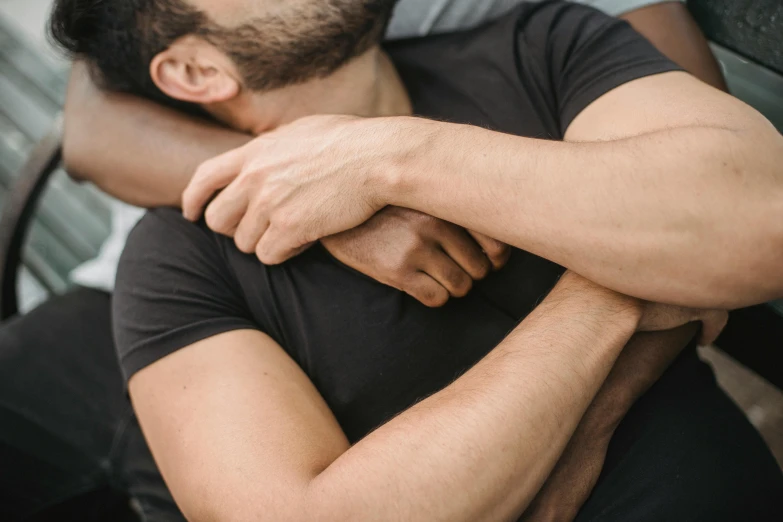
134 149
639 366
675 199
665 189
145 154
240 433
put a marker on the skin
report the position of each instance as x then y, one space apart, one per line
576 473
243 435
679 161
428 258
177 144
102 145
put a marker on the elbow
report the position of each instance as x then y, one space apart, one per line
747 265
765 224
766 263
73 151
76 141
76 130
747 268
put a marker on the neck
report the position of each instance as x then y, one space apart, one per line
391 98
367 86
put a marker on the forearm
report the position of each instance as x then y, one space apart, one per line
480 449
135 150
639 366
670 216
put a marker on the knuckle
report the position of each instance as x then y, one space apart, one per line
244 244
244 180
284 221
433 295
203 170
193 190
214 220
397 274
412 247
265 255
495 249
463 286
482 268
439 299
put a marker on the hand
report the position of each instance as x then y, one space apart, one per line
301 182
657 317
430 259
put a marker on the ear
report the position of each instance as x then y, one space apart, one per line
193 70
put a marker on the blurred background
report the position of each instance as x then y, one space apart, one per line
70 221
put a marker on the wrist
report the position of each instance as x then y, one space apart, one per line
413 163
609 304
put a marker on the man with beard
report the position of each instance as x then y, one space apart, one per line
130 441
307 391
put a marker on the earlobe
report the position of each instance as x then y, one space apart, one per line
185 73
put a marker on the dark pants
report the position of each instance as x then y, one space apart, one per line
684 453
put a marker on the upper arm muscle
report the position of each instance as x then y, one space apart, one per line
235 426
660 102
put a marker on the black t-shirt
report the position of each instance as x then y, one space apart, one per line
373 351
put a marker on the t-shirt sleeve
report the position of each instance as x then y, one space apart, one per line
583 53
174 288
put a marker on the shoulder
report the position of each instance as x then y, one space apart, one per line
174 287
167 224
172 248
164 238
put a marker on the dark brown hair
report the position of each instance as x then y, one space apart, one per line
119 39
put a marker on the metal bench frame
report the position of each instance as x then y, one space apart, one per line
19 209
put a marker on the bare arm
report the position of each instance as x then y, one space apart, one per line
678 199
639 366
240 433
136 150
683 193
145 154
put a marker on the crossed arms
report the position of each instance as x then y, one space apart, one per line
494 426
690 171
243 435
219 401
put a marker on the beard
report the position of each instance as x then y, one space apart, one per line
298 43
